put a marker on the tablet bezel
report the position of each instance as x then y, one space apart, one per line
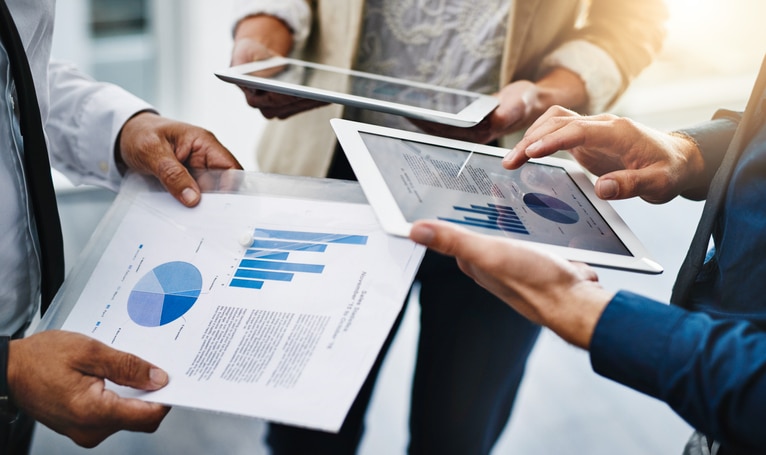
394 221
469 116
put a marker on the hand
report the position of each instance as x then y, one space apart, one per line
520 103
57 378
258 38
631 159
165 148
516 109
544 288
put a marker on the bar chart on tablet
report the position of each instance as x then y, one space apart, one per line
490 216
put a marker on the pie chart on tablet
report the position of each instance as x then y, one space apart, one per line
164 294
551 208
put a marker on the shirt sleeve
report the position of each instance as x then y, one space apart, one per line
712 372
295 13
630 32
595 67
83 125
713 138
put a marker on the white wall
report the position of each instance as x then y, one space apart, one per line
204 39
710 59
193 39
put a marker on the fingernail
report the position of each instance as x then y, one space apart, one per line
422 234
158 377
189 196
535 146
509 156
608 189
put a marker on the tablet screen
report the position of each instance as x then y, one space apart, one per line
537 202
368 87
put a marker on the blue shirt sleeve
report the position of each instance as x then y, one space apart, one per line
712 372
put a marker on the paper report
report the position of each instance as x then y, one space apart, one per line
272 307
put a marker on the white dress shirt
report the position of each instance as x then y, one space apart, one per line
81 119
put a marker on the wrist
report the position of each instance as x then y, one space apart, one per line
576 319
124 136
561 87
8 410
269 31
694 165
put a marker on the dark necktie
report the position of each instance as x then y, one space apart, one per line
36 165
695 257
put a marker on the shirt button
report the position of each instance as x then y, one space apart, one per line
104 166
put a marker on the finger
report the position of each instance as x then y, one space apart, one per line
106 417
449 239
648 183
176 179
132 414
288 110
553 119
120 367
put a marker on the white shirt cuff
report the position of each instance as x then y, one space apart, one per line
595 67
295 13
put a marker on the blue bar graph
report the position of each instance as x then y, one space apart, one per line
250 284
290 246
266 254
266 259
284 266
264 275
493 216
312 236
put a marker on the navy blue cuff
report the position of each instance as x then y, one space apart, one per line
630 341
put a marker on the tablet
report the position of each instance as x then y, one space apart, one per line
369 91
408 176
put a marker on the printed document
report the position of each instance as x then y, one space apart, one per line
267 306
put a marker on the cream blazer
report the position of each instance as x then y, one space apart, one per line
630 31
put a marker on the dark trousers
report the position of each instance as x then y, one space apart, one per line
471 357
16 438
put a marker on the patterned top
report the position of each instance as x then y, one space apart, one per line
450 43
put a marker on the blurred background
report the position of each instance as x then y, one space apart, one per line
166 52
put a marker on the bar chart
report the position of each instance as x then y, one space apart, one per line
270 255
490 216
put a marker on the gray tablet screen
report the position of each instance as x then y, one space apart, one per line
377 89
536 202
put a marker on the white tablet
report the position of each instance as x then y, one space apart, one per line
408 176
369 91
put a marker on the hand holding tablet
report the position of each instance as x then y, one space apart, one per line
408 176
325 83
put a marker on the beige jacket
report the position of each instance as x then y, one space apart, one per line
630 31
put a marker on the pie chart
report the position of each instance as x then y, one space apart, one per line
551 208
164 294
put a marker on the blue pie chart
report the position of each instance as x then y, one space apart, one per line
551 208
164 294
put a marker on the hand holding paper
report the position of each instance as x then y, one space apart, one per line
64 387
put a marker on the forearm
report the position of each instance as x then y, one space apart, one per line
563 87
712 372
270 31
85 119
574 314
282 26
631 32
712 140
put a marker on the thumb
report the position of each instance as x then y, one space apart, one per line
176 179
124 369
648 183
446 238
